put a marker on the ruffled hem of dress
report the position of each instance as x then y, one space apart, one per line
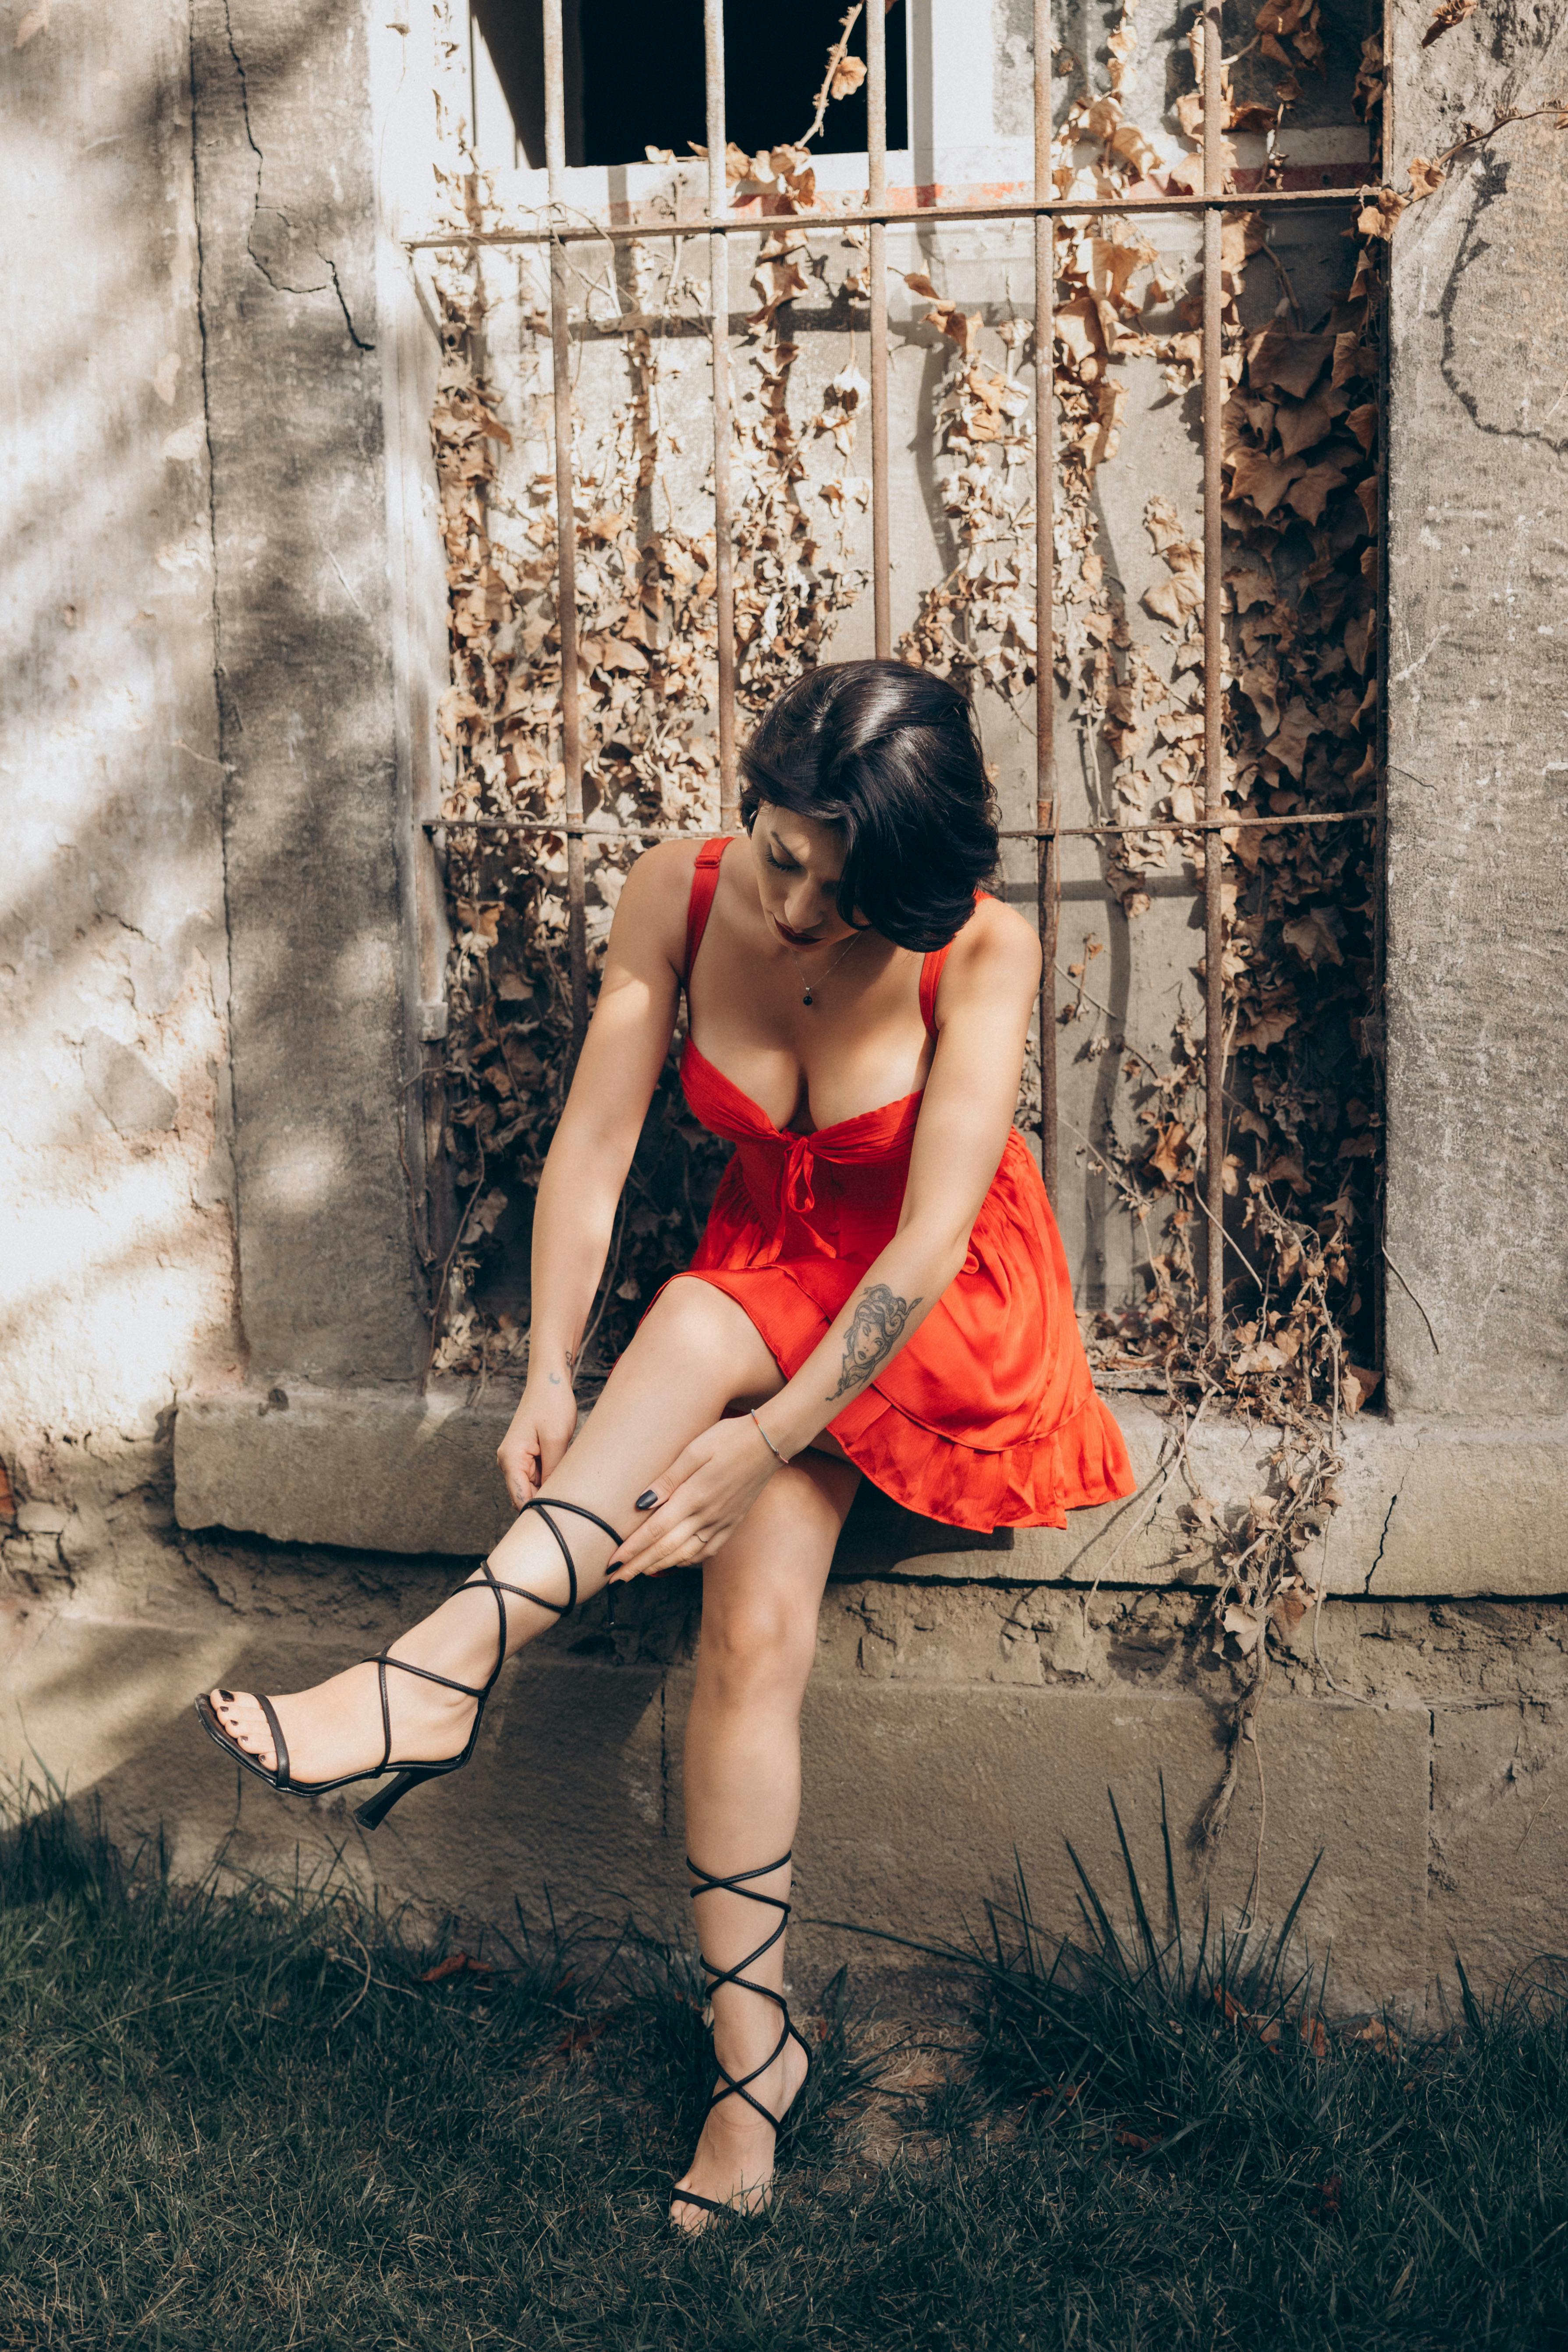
1032 1484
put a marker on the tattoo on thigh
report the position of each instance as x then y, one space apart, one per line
875 1329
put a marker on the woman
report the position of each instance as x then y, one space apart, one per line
880 1291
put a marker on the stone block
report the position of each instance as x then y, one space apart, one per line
1500 1839
918 1796
373 1469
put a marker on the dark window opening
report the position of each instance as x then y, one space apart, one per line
634 76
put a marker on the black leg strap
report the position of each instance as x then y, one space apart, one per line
487 1580
280 1745
736 2086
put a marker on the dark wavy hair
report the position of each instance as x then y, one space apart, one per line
891 754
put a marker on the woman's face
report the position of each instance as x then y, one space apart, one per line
798 862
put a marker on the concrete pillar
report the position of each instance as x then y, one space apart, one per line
319 831
1478 681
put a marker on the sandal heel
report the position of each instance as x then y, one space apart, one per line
374 1811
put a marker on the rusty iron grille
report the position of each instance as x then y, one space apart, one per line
1043 207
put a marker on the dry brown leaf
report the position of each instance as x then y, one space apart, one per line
963 331
1262 478
1260 682
1314 935
1310 492
1292 361
1286 1169
1352 358
1378 2035
1164 1155
1356 1385
1448 13
1296 729
1425 178
1173 600
1079 329
1267 1030
1304 425
1377 218
1289 1608
1244 1627
1362 423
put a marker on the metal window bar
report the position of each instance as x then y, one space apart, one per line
1043 209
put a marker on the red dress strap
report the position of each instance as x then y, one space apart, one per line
931 975
699 905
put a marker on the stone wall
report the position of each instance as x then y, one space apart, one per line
221 964
1422 1746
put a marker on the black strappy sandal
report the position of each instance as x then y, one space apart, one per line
736 2086
374 1811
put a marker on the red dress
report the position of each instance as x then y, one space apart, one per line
987 1416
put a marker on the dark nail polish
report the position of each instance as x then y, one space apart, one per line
645 1501
226 1695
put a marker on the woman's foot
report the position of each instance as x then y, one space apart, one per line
335 1729
734 2161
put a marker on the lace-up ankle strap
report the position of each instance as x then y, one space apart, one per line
543 1505
735 2086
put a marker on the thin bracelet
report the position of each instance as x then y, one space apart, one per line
767 1441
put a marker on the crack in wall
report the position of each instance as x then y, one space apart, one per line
1382 1540
281 285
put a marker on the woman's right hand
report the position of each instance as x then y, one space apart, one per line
542 1428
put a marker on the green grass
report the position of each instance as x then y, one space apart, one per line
237 2119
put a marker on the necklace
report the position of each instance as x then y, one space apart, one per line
831 968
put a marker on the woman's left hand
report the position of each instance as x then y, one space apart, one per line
700 1501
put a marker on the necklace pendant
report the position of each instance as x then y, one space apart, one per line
806 997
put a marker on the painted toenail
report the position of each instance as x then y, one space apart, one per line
228 1695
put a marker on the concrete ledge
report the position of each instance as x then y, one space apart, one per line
1428 1511
372 1469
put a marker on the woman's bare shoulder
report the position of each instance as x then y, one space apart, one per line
996 948
655 895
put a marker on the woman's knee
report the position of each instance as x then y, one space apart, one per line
691 1317
758 1645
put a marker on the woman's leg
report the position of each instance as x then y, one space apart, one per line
761 1598
695 1353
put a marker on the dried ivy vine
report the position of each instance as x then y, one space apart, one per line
1302 515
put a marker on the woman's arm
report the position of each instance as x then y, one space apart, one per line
574 1212
989 987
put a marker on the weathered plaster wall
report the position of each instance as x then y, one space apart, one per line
117 1275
